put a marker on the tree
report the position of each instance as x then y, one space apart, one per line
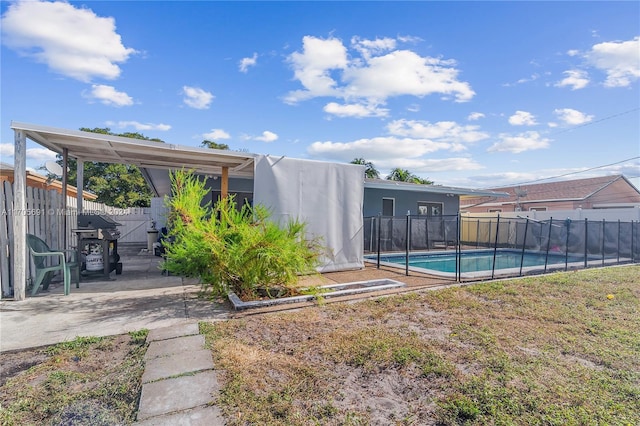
370 170
234 249
117 185
404 175
214 145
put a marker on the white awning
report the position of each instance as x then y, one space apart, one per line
153 158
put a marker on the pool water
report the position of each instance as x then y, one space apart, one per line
477 260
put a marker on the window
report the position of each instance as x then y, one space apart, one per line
430 209
495 210
537 209
388 206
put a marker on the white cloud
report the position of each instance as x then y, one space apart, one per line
474 116
379 148
355 110
312 67
326 68
196 97
522 142
267 136
143 126
372 47
444 131
6 149
522 118
108 95
575 79
422 165
70 41
216 134
245 63
40 154
620 60
572 117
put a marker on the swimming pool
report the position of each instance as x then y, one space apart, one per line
476 262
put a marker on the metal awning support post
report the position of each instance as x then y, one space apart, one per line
79 183
65 182
19 215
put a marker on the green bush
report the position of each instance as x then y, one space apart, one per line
230 248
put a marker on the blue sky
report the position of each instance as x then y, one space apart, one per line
469 94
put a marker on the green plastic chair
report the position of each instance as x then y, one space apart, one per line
40 252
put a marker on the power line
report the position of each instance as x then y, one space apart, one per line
575 173
594 122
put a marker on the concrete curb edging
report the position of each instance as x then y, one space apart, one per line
345 289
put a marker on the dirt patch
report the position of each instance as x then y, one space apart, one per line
87 381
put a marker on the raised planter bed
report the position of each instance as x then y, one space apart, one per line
333 290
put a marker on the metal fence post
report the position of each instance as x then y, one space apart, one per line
566 247
495 248
379 230
546 257
406 258
603 237
524 245
459 252
618 245
586 240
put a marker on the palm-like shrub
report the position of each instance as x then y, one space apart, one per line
230 248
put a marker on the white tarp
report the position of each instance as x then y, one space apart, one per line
326 196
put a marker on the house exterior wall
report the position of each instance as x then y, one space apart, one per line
406 201
618 192
241 188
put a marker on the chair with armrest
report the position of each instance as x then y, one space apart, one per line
40 252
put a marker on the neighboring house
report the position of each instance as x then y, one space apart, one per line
393 198
35 180
592 193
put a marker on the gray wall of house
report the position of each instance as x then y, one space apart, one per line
406 201
242 188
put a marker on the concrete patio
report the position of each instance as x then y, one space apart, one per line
139 298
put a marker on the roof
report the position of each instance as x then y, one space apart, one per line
568 190
153 158
434 189
36 180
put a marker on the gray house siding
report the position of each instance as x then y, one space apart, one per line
406 201
240 187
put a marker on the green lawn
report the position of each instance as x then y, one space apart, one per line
561 349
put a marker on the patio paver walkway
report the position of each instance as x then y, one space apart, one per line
179 384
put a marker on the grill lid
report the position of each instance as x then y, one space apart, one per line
86 220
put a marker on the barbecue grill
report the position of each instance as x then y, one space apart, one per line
98 245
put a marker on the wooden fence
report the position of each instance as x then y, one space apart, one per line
46 219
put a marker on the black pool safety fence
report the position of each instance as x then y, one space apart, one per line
466 248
